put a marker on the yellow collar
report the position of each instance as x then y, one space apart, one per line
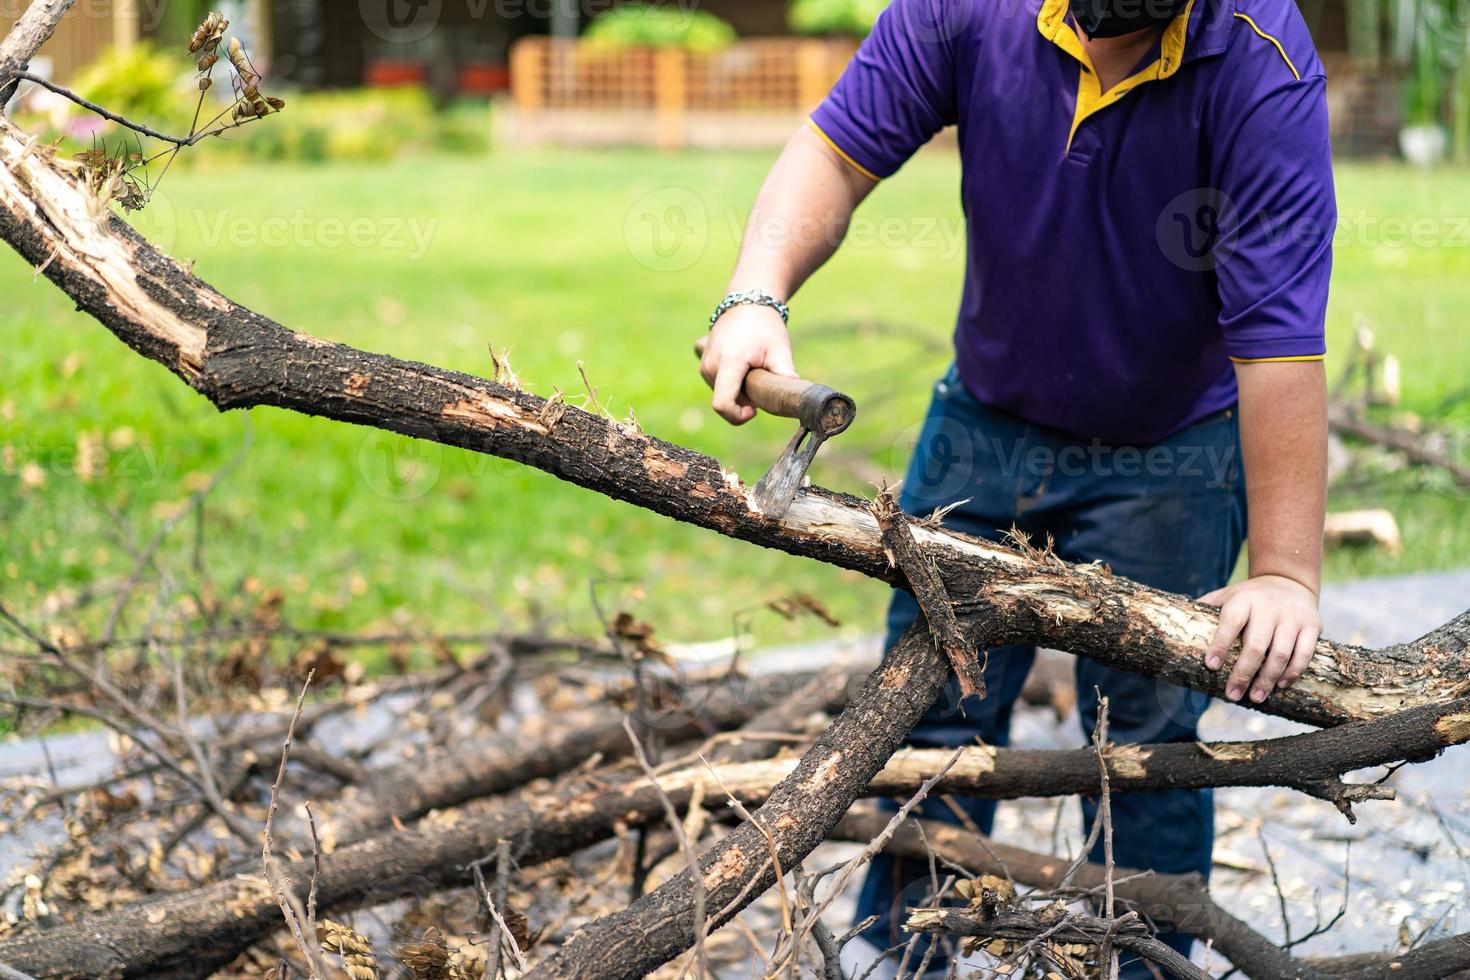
1051 20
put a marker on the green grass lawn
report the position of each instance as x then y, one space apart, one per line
612 259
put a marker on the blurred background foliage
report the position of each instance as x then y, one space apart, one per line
646 25
849 18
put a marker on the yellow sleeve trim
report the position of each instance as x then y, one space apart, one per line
843 153
1279 48
1268 360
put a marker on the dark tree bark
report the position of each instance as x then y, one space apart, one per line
446 777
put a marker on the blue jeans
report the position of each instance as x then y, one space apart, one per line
1171 516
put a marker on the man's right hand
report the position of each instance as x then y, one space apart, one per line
745 337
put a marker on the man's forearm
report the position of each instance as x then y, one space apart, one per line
799 218
1283 431
1283 438
798 221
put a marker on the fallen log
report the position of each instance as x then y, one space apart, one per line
410 788
1415 447
1377 527
164 937
1181 901
237 358
193 933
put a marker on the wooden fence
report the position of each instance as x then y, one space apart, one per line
570 91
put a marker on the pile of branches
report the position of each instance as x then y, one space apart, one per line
465 816
205 772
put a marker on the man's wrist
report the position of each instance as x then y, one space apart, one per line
1310 582
750 297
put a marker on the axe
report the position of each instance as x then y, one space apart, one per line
821 413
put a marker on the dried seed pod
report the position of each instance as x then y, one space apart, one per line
208 34
252 93
239 59
208 61
277 104
466 970
204 84
261 109
427 959
353 947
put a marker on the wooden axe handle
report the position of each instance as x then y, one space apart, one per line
769 392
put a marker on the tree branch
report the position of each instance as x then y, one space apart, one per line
237 359
33 29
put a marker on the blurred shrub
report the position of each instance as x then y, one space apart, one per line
642 25
463 128
358 125
142 83
849 18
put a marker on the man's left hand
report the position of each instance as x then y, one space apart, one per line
1276 618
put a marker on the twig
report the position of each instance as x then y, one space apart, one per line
281 886
1105 817
691 856
831 951
316 871
515 947
492 902
1034 927
908 556
873 848
142 718
103 111
30 31
1280 892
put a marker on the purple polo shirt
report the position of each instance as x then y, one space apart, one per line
1124 247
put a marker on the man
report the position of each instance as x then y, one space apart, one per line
1148 191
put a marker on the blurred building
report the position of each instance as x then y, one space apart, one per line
85 31
92 26
456 47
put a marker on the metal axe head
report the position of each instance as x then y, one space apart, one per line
822 414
